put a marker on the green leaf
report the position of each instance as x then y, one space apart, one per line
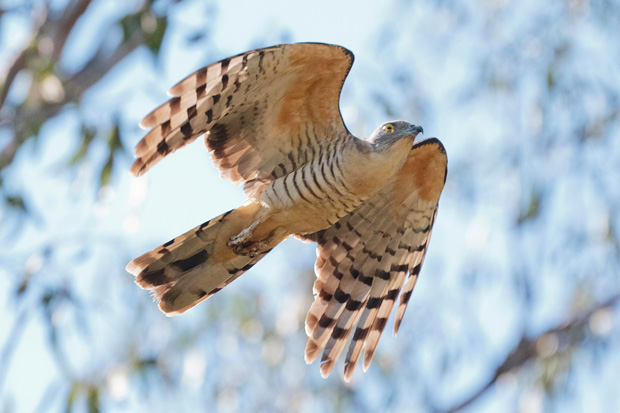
106 171
88 135
30 128
153 27
93 399
16 202
130 24
114 140
196 37
73 394
156 38
42 67
550 79
533 209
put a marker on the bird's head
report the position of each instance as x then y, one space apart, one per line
386 135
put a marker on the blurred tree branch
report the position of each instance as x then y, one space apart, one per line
55 30
570 333
22 114
553 130
42 54
14 335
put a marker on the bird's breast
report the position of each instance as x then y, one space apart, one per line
314 196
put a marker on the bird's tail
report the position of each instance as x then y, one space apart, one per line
192 267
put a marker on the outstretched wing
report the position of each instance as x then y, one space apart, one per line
264 112
363 260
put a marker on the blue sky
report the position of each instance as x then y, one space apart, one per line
446 50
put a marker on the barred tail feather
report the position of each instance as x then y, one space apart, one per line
192 267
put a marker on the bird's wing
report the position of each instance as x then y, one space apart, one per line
363 260
265 112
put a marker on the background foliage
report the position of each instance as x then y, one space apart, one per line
516 309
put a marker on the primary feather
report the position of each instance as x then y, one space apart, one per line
272 123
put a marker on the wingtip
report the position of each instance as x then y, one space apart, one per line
150 120
311 352
167 308
138 168
349 368
134 174
171 313
367 360
132 268
310 323
144 124
396 327
176 90
327 366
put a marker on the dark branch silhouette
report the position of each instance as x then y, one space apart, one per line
571 331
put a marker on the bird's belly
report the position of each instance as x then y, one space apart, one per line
302 207
301 219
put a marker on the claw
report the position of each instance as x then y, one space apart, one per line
251 248
243 236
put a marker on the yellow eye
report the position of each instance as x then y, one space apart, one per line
388 128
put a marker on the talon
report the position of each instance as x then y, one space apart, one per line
243 236
237 239
251 248
248 248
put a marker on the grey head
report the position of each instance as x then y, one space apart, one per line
390 132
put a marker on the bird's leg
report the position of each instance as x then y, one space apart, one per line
244 235
253 248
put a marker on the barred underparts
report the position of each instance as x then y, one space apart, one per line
272 123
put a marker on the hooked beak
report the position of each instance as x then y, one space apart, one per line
415 129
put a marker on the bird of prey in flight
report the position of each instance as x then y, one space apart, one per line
271 121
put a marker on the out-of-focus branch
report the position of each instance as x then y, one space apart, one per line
18 64
527 350
81 81
56 30
74 86
99 65
65 24
19 325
